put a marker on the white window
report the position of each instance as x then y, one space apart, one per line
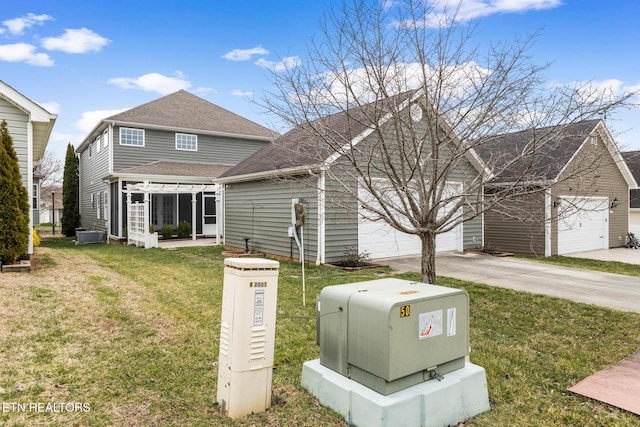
130 136
93 201
99 209
105 137
98 143
34 201
105 206
186 142
90 150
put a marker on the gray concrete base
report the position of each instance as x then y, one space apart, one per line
460 395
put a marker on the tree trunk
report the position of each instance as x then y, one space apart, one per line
428 262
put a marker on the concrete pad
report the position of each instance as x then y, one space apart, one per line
460 395
625 255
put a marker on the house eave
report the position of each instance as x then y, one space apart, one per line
270 174
178 179
104 123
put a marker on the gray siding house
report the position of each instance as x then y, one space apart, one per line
632 158
578 198
261 193
30 126
167 154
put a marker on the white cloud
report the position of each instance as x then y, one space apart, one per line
52 107
242 93
153 82
463 11
244 54
286 63
90 119
18 25
24 52
82 40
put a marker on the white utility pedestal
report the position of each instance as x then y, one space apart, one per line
247 335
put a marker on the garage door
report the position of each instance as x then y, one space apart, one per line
586 225
380 240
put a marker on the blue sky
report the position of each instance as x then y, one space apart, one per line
85 60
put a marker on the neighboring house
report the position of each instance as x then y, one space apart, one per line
261 193
47 205
585 205
30 126
633 162
166 154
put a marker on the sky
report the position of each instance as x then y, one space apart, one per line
86 60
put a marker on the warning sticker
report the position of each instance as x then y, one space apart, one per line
451 322
258 308
430 324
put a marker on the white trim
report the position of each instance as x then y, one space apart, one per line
321 256
179 134
30 181
547 223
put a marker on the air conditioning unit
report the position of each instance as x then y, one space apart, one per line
391 334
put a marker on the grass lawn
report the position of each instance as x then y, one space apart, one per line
133 335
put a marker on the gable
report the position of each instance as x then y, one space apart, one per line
17 110
321 142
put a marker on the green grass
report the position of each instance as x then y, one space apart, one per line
589 264
135 333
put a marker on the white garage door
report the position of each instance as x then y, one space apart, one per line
380 240
586 225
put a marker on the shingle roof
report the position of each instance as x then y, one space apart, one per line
176 169
556 146
632 158
302 146
187 111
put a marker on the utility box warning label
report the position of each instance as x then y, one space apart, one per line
430 324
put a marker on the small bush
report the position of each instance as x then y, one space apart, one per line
184 229
167 231
353 258
36 238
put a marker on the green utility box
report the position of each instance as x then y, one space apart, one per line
390 334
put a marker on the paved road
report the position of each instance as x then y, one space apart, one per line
592 287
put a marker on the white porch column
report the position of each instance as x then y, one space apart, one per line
146 216
194 204
128 216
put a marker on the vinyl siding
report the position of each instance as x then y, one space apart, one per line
603 180
17 125
462 172
507 234
92 169
161 146
341 222
261 211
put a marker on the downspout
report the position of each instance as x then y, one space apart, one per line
320 257
547 223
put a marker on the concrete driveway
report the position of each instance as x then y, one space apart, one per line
608 290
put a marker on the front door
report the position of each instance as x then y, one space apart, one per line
209 214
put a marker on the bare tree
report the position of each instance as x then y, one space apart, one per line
433 99
51 168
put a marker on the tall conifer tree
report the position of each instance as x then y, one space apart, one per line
70 193
14 202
